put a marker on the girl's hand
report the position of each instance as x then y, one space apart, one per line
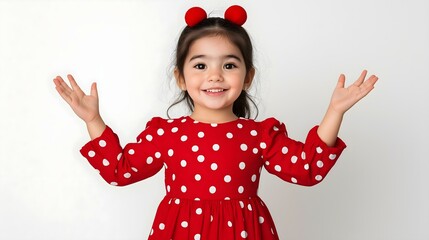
85 106
344 98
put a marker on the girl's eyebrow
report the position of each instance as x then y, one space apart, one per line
224 57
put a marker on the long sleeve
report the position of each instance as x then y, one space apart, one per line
123 166
301 163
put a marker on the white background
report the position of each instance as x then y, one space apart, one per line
379 189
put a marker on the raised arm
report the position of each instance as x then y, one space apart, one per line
342 100
85 106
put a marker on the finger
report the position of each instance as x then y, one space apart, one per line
74 85
361 78
341 81
94 91
64 95
62 86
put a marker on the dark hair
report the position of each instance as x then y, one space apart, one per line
238 36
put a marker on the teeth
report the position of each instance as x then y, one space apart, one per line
214 90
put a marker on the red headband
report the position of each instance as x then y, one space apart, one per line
235 14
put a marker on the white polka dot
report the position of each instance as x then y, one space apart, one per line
173 177
131 151
197 236
106 162
319 164
195 148
161 226
278 168
149 137
255 150
229 224
183 120
240 189
119 156
160 132
183 163
242 165
183 138
184 224
267 163
91 153
243 147
318 178
183 189
151 232
253 178
216 147
275 128
227 178
114 183
319 150
134 169
174 130
293 159
200 134
261 220
157 154
332 156
303 155
170 152
285 150
200 158
229 135
211 218
197 177
243 234
140 140
102 143
214 124
127 175
149 160
239 125
170 120
241 204
263 145
199 211
177 201
212 189
253 133
213 166
294 180
306 166
249 207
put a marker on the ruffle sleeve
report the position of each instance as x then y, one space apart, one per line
123 166
304 163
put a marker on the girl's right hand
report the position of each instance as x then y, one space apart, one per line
85 106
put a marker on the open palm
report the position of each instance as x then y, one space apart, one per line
85 106
344 98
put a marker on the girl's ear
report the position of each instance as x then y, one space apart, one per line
249 78
180 81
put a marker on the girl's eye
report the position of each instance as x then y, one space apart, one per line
200 66
230 66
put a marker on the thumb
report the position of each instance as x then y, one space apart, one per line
94 91
341 81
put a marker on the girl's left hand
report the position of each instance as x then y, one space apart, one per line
344 98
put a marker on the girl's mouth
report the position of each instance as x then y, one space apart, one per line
216 90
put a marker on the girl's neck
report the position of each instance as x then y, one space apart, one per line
213 116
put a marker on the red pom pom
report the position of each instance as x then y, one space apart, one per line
195 15
236 14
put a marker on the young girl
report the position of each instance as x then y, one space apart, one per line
213 157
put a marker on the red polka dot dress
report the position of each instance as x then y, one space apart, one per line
212 172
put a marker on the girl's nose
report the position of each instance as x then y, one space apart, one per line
215 76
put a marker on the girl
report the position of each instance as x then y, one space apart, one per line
213 157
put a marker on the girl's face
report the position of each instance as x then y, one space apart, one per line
214 74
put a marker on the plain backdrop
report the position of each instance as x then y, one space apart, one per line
379 188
